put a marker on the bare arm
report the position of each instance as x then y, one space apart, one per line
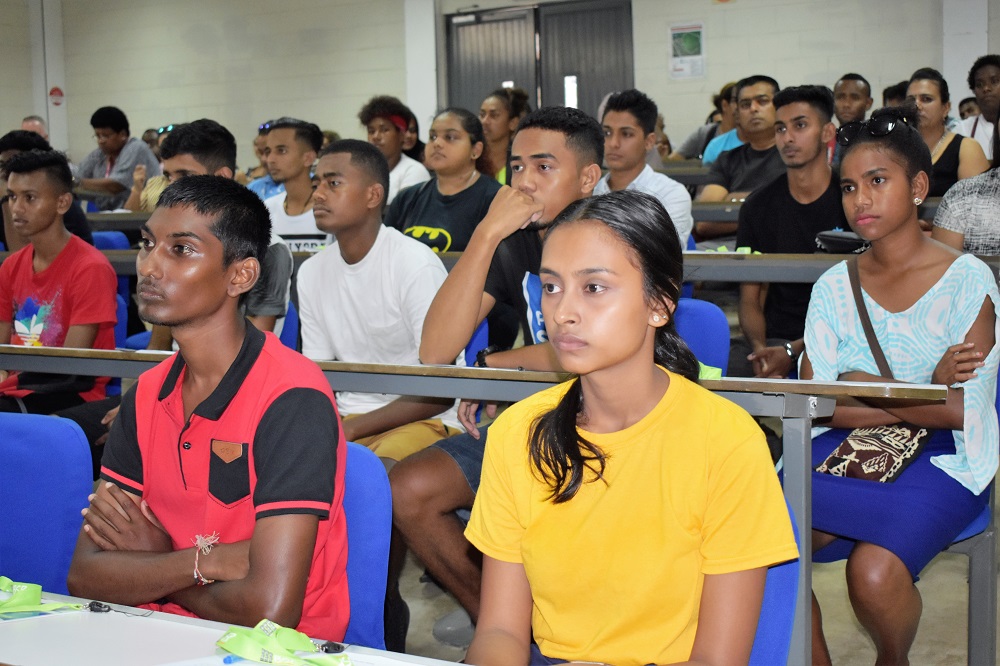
751 314
461 304
503 633
404 409
81 336
109 185
971 158
134 201
713 193
950 238
727 619
161 339
281 552
540 357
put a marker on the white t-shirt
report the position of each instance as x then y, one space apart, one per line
407 172
983 132
298 231
371 311
672 195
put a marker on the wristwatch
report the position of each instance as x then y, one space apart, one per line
790 350
484 352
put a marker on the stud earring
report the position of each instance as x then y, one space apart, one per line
917 201
656 318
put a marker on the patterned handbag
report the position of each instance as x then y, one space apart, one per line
877 453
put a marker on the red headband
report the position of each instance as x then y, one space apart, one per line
398 121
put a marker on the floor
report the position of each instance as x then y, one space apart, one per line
940 639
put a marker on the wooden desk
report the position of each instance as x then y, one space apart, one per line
796 403
137 637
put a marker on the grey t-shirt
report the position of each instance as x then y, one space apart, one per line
971 207
269 297
134 152
745 169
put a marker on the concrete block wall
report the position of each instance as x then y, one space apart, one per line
15 73
240 62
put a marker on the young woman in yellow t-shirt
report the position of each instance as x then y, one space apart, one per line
627 516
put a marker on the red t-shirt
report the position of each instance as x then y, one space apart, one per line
77 289
266 442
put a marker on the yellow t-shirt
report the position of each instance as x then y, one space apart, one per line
616 573
151 193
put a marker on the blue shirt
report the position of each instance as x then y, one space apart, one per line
720 144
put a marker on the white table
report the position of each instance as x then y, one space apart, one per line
133 638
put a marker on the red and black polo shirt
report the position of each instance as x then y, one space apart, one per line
266 442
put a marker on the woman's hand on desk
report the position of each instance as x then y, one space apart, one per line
958 364
114 521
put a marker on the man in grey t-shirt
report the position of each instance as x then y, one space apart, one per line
108 168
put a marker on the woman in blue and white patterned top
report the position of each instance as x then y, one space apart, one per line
934 312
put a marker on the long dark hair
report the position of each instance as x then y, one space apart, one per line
470 123
559 455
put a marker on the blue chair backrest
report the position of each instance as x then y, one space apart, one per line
687 288
139 341
114 386
290 329
114 240
478 342
47 476
368 509
773 639
110 240
705 329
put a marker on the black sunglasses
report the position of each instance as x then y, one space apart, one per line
265 126
881 126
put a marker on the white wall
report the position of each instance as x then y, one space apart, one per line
240 62
15 72
805 41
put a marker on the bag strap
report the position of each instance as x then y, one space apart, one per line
866 322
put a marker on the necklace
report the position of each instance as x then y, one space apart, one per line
940 141
305 206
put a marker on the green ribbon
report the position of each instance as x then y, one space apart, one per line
27 598
270 643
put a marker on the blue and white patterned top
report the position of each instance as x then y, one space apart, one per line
913 342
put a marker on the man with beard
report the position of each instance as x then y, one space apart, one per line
785 216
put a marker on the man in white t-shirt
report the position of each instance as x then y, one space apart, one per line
364 298
290 151
984 81
629 132
386 119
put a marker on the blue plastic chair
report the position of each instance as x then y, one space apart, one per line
773 639
49 474
687 288
114 240
705 329
290 329
368 509
139 341
114 386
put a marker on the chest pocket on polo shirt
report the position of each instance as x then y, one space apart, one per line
229 472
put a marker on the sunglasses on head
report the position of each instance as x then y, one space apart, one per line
881 126
263 127
165 129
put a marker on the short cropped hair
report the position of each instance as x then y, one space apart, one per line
52 162
241 222
897 91
725 95
584 135
965 100
385 106
818 97
208 142
982 61
851 76
110 117
931 74
33 119
308 133
366 157
23 140
638 104
754 80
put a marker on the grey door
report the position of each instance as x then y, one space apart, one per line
487 50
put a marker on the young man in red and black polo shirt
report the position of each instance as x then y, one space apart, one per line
233 444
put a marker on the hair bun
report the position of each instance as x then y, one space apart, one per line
906 112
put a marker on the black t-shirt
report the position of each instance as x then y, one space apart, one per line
513 280
443 223
744 169
771 221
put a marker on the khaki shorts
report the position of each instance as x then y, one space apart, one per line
407 439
